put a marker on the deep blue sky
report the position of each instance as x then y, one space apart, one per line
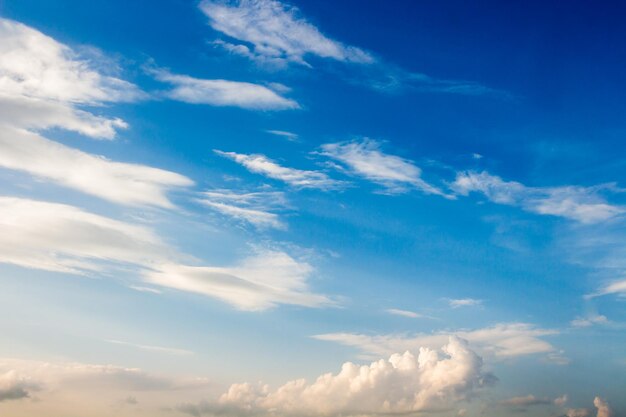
465 178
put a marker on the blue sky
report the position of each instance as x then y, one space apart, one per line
219 208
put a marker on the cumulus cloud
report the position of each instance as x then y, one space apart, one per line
578 412
260 164
405 383
15 387
365 159
501 341
275 33
582 204
224 93
259 282
604 410
464 302
254 207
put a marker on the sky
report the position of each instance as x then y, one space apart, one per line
312 208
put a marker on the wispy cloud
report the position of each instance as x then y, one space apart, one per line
502 341
259 282
617 287
118 182
404 313
582 204
366 159
260 164
150 348
63 238
589 320
45 84
219 92
253 207
275 33
283 133
464 302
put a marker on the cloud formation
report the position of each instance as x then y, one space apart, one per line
464 302
44 84
260 164
259 282
405 383
15 387
365 159
604 410
501 341
274 33
403 313
582 204
224 93
254 208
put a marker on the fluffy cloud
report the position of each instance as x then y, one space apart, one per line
365 158
276 31
15 387
257 283
260 164
254 208
604 410
405 383
500 342
577 412
572 202
224 93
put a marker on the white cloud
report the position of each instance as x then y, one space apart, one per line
405 383
581 204
464 302
604 410
404 313
123 183
150 348
282 133
58 237
276 31
224 93
43 84
364 158
254 208
259 282
589 320
616 287
501 341
37 66
260 164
